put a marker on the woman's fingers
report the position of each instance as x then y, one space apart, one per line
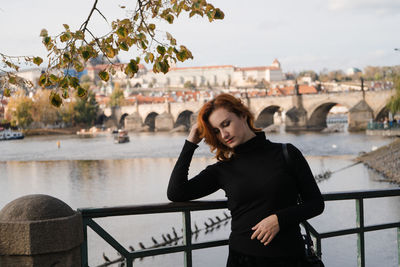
255 234
266 229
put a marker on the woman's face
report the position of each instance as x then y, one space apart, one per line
230 129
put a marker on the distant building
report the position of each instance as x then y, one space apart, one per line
223 76
352 71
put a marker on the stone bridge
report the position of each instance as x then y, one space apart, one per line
300 112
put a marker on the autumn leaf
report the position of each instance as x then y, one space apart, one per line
43 33
104 75
161 50
7 92
81 92
131 68
65 94
122 32
55 99
37 60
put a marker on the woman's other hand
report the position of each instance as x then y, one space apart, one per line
266 230
194 135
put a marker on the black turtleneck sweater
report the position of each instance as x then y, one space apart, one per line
258 183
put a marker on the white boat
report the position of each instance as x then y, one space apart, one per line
6 134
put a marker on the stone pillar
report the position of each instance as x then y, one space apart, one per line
359 116
116 115
296 117
133 122
164 122
40 230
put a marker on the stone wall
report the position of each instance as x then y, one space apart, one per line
385 160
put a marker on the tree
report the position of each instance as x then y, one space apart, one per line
117 97
394 103
85 109
71 49
42 110
189 85
19 110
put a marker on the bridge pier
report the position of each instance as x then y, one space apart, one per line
296 117
164 122
133 122
359 116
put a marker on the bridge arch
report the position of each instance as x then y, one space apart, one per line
184 118
150 120
121 122
319 116
266 116
382 114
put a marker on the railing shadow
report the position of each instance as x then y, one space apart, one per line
88 214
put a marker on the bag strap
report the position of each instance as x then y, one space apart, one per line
288 161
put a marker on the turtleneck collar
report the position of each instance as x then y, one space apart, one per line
252 144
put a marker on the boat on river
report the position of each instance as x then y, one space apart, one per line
121 137
7 134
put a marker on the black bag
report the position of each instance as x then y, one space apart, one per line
311 259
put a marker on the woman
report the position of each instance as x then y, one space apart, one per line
262 191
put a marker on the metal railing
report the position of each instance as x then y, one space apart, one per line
383 126
88 214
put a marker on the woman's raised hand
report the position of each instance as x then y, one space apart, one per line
194 135
266 230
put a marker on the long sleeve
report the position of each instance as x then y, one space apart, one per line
312 203
182 189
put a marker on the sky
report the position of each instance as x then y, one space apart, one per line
303 35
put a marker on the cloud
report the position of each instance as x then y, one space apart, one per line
379 7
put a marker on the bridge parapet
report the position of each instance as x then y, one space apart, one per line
308 111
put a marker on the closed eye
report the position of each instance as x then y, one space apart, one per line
225 123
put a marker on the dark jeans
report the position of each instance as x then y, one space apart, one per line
236 259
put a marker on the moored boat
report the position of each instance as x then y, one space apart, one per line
121 137
6 134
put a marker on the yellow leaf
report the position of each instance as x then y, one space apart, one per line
65 94
219 14
12 80
78 66
104 75
152 27
81 92
7 92
43 33
122 32
79 35
55 99
37 60
42 79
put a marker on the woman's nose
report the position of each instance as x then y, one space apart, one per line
225 134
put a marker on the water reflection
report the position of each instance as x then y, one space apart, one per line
138 174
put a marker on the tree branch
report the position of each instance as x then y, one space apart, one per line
84 25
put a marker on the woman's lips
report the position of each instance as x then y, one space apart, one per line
230 140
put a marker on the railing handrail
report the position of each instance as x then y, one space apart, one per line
217 204
186 207
152 208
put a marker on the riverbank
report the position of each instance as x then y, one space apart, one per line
59 131
385 160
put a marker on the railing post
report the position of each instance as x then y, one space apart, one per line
360 235
84 246
319 248
398 246
187 238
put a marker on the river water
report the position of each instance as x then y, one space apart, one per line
95 172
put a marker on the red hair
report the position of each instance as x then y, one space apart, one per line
231 104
